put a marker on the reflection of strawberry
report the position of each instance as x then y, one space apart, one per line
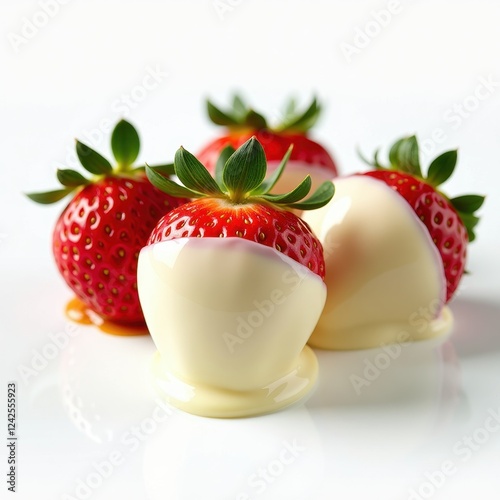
237 204
308 157
450 222
98 236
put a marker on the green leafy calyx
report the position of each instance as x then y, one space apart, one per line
404 157
242 116
240 178
125 144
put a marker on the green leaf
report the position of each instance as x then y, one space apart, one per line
240 109
219 166
71 178
300 192
371 163
441 168
245 169
394 153
376 163
193 174
255 120
166 169
219 117
404 156
92 160
49 196
308 118
318 199
125 143
470 222
168 186
271 181
468 203
290 108
363 158
301 122
409 155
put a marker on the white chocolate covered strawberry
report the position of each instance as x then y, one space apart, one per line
395 250
231 286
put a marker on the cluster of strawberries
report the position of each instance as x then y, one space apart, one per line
227 192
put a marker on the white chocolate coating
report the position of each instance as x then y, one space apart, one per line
230 319
384 275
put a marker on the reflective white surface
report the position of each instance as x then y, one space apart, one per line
86 414
390 415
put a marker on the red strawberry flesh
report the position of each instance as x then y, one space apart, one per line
275 146
269 226
97 239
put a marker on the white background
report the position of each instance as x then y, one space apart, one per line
70 77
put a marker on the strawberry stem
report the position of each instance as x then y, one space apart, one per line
241 116
125 144
241 179
404 157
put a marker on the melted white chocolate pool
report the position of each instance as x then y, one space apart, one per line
384 275
230 319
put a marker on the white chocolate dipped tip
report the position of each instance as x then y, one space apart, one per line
230 319
384 275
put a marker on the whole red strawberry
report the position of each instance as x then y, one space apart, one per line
242 122
238 204
450 222
98 236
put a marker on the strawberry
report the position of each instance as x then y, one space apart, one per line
243 122
450 222
97 238
238 204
